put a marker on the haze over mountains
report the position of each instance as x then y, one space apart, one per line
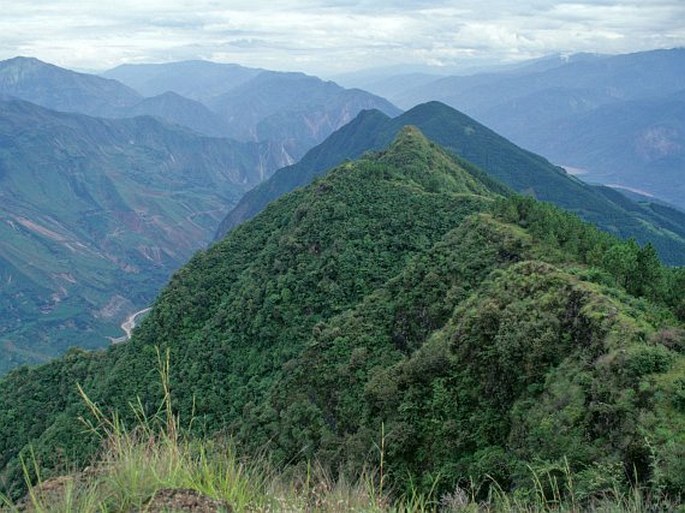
250 106
615 119
295 109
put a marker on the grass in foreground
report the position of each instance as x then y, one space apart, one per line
138 465
138 468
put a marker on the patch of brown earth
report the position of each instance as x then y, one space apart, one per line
47 492
168 500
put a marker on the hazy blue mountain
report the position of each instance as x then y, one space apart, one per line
523 171
95 215
198 80
180 110
618 77
294 110
394 81
64 90
390 85
614 116
638 145
290 111
68 91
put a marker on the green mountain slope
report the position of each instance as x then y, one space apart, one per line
94 217
478 360
398 291
523 171
64 90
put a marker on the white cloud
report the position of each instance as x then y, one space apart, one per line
325 36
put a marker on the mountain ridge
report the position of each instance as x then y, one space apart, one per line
612 116
519 169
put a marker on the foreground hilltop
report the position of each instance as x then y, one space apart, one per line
405 300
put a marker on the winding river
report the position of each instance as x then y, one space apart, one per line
129 324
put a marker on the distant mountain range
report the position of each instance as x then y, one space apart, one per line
63 90
197 80
394 81
523 171
618 118
295 109
292 111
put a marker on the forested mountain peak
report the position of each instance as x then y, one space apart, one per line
499 158
428 165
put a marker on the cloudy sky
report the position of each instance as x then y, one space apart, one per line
331 36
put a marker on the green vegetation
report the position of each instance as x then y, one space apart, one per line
399 314
155 467
523 171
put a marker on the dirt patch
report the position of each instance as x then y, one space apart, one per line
49 491
168 500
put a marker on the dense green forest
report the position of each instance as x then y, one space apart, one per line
400 302
519 169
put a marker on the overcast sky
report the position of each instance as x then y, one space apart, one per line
326 37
